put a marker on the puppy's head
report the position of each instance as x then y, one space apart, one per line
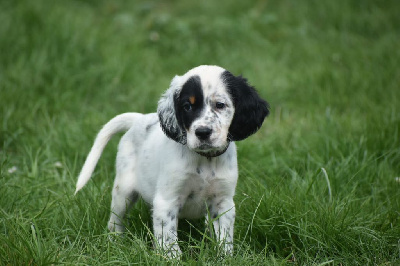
208 107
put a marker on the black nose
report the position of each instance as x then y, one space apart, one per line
203 133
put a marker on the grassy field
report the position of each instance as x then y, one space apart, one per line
319 183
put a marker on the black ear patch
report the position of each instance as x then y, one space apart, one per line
250 109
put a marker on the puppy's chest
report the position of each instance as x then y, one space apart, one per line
201 185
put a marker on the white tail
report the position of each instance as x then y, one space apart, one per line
121 122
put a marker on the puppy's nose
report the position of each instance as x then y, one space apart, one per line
203 133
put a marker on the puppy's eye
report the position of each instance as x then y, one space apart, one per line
220 105
187 107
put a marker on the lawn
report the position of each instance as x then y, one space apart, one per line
318 184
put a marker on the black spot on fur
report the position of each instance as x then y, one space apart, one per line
185 111
179 206
191 195
171 215
198 170
250 109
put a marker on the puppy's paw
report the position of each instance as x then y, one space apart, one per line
168 250
228 249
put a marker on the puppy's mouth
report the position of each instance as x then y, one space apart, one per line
207 150
205 147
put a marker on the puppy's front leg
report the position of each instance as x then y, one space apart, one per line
165 223
224 208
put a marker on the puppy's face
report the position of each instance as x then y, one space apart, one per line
208 107
204 109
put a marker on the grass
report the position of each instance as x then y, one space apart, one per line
319 183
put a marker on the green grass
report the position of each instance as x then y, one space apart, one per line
317 183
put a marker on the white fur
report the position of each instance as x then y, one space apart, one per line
173 177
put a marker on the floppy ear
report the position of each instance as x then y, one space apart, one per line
166 112
250 109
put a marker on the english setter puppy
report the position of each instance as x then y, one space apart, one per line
182 159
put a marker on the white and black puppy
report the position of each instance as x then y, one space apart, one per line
182 159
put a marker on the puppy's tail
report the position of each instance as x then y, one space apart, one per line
121 122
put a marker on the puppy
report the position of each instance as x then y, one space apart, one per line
182 159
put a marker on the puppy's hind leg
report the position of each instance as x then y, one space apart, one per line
124 194
123 199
